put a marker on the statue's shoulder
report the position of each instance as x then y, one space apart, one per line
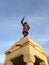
28 26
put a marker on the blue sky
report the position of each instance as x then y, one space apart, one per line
36 13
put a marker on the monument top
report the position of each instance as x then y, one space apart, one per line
24 41
25 50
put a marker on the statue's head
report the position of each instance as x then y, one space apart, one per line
25 22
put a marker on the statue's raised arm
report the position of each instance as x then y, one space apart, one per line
22 20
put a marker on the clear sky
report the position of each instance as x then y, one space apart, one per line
36 13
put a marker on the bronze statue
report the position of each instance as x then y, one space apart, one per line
26 27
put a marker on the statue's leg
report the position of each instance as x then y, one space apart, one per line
25 34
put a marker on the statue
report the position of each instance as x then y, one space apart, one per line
26 27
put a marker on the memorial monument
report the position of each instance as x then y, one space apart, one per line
25 52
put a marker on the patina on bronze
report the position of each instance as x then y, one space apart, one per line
26 27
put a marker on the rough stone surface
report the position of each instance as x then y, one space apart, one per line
30 50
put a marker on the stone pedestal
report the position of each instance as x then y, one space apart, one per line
25 52
29 59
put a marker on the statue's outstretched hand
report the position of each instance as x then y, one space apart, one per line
22 20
